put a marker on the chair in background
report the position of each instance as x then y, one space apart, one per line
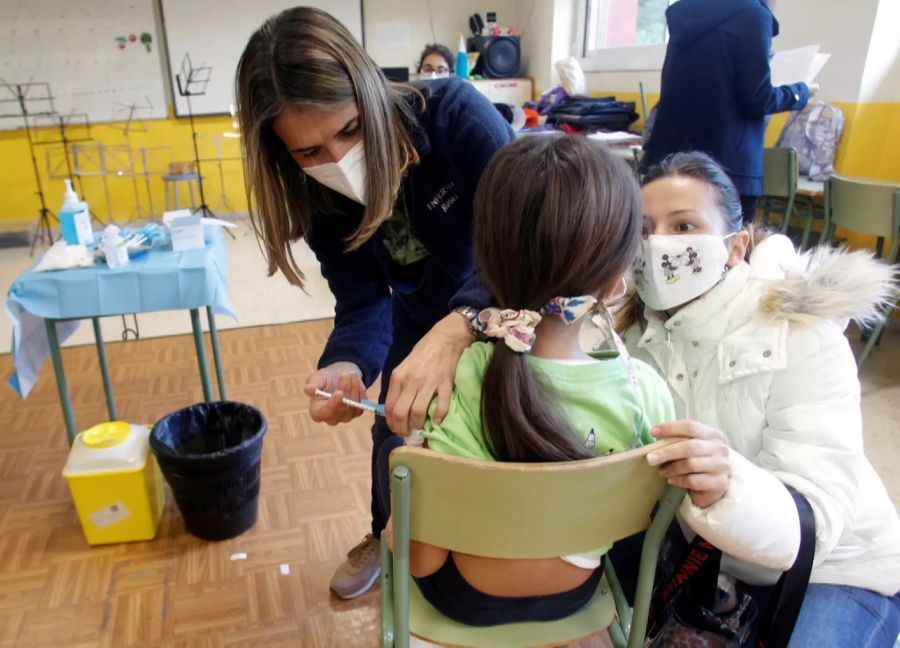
180 172
780 176
518 511
869 208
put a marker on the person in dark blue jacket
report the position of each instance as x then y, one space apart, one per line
717 89
379 180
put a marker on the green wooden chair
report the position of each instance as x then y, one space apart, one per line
870 208
780 175
514 510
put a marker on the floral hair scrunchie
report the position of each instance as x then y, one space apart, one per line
515 327
570 309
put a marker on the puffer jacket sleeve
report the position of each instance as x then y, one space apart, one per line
812 441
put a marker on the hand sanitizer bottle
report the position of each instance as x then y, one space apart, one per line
462 60
75 219
114 248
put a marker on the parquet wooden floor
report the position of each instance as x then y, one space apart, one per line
57 591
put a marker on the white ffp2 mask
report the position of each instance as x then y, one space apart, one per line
673 270
347 176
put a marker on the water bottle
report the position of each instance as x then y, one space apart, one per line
75 218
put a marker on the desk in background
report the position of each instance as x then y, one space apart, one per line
811 188
513 91
46 308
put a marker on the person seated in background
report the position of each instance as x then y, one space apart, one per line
436 62
557 224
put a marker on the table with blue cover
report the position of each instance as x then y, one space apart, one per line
46 308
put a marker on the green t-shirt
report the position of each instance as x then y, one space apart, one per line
597 398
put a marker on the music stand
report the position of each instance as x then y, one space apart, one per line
71 121
36 94
192 82
132 123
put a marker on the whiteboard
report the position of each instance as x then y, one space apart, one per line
214 33
89 51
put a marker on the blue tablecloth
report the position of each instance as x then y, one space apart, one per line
160 280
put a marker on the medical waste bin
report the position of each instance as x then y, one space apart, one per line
115 483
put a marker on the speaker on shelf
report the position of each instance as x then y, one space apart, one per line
499 56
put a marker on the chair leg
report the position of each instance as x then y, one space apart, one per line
400 487
621 623
875 336
786 222
617 636
623 610
870 344
387 595
653 538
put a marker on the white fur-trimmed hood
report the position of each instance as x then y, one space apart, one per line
824 283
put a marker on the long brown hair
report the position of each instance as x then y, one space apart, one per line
555 215
305 57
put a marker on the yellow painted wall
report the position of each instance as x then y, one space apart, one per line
20 203
868 149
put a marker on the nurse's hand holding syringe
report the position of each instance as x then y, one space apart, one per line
415 437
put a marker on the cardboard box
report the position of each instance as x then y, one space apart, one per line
185 228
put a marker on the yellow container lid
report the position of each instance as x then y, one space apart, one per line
114 446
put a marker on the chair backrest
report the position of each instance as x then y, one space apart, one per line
864 206
519 510
780 172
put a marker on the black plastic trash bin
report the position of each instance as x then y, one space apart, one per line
209 454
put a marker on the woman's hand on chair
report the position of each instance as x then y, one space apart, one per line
341 380
427 371
697 460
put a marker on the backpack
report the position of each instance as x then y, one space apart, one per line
593 112
815 133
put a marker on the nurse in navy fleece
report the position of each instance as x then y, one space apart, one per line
717 89
379 180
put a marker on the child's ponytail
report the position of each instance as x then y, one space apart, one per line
519 420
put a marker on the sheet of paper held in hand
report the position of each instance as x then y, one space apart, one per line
799 64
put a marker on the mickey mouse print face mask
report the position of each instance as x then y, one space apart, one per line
673 270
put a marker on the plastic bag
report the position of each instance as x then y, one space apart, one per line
571 76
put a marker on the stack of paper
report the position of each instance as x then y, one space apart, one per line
795 65
616 138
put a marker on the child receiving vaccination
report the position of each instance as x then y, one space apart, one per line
557 225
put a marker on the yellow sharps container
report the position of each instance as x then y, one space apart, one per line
115 482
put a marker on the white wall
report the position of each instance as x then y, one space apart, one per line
419 22
549 37
842 28
881 81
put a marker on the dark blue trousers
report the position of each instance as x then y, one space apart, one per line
406 333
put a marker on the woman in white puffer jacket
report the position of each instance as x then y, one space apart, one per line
757 362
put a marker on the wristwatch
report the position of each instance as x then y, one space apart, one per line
471 314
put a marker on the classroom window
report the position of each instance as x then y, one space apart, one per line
625 23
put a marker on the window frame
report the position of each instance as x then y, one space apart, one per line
633 58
